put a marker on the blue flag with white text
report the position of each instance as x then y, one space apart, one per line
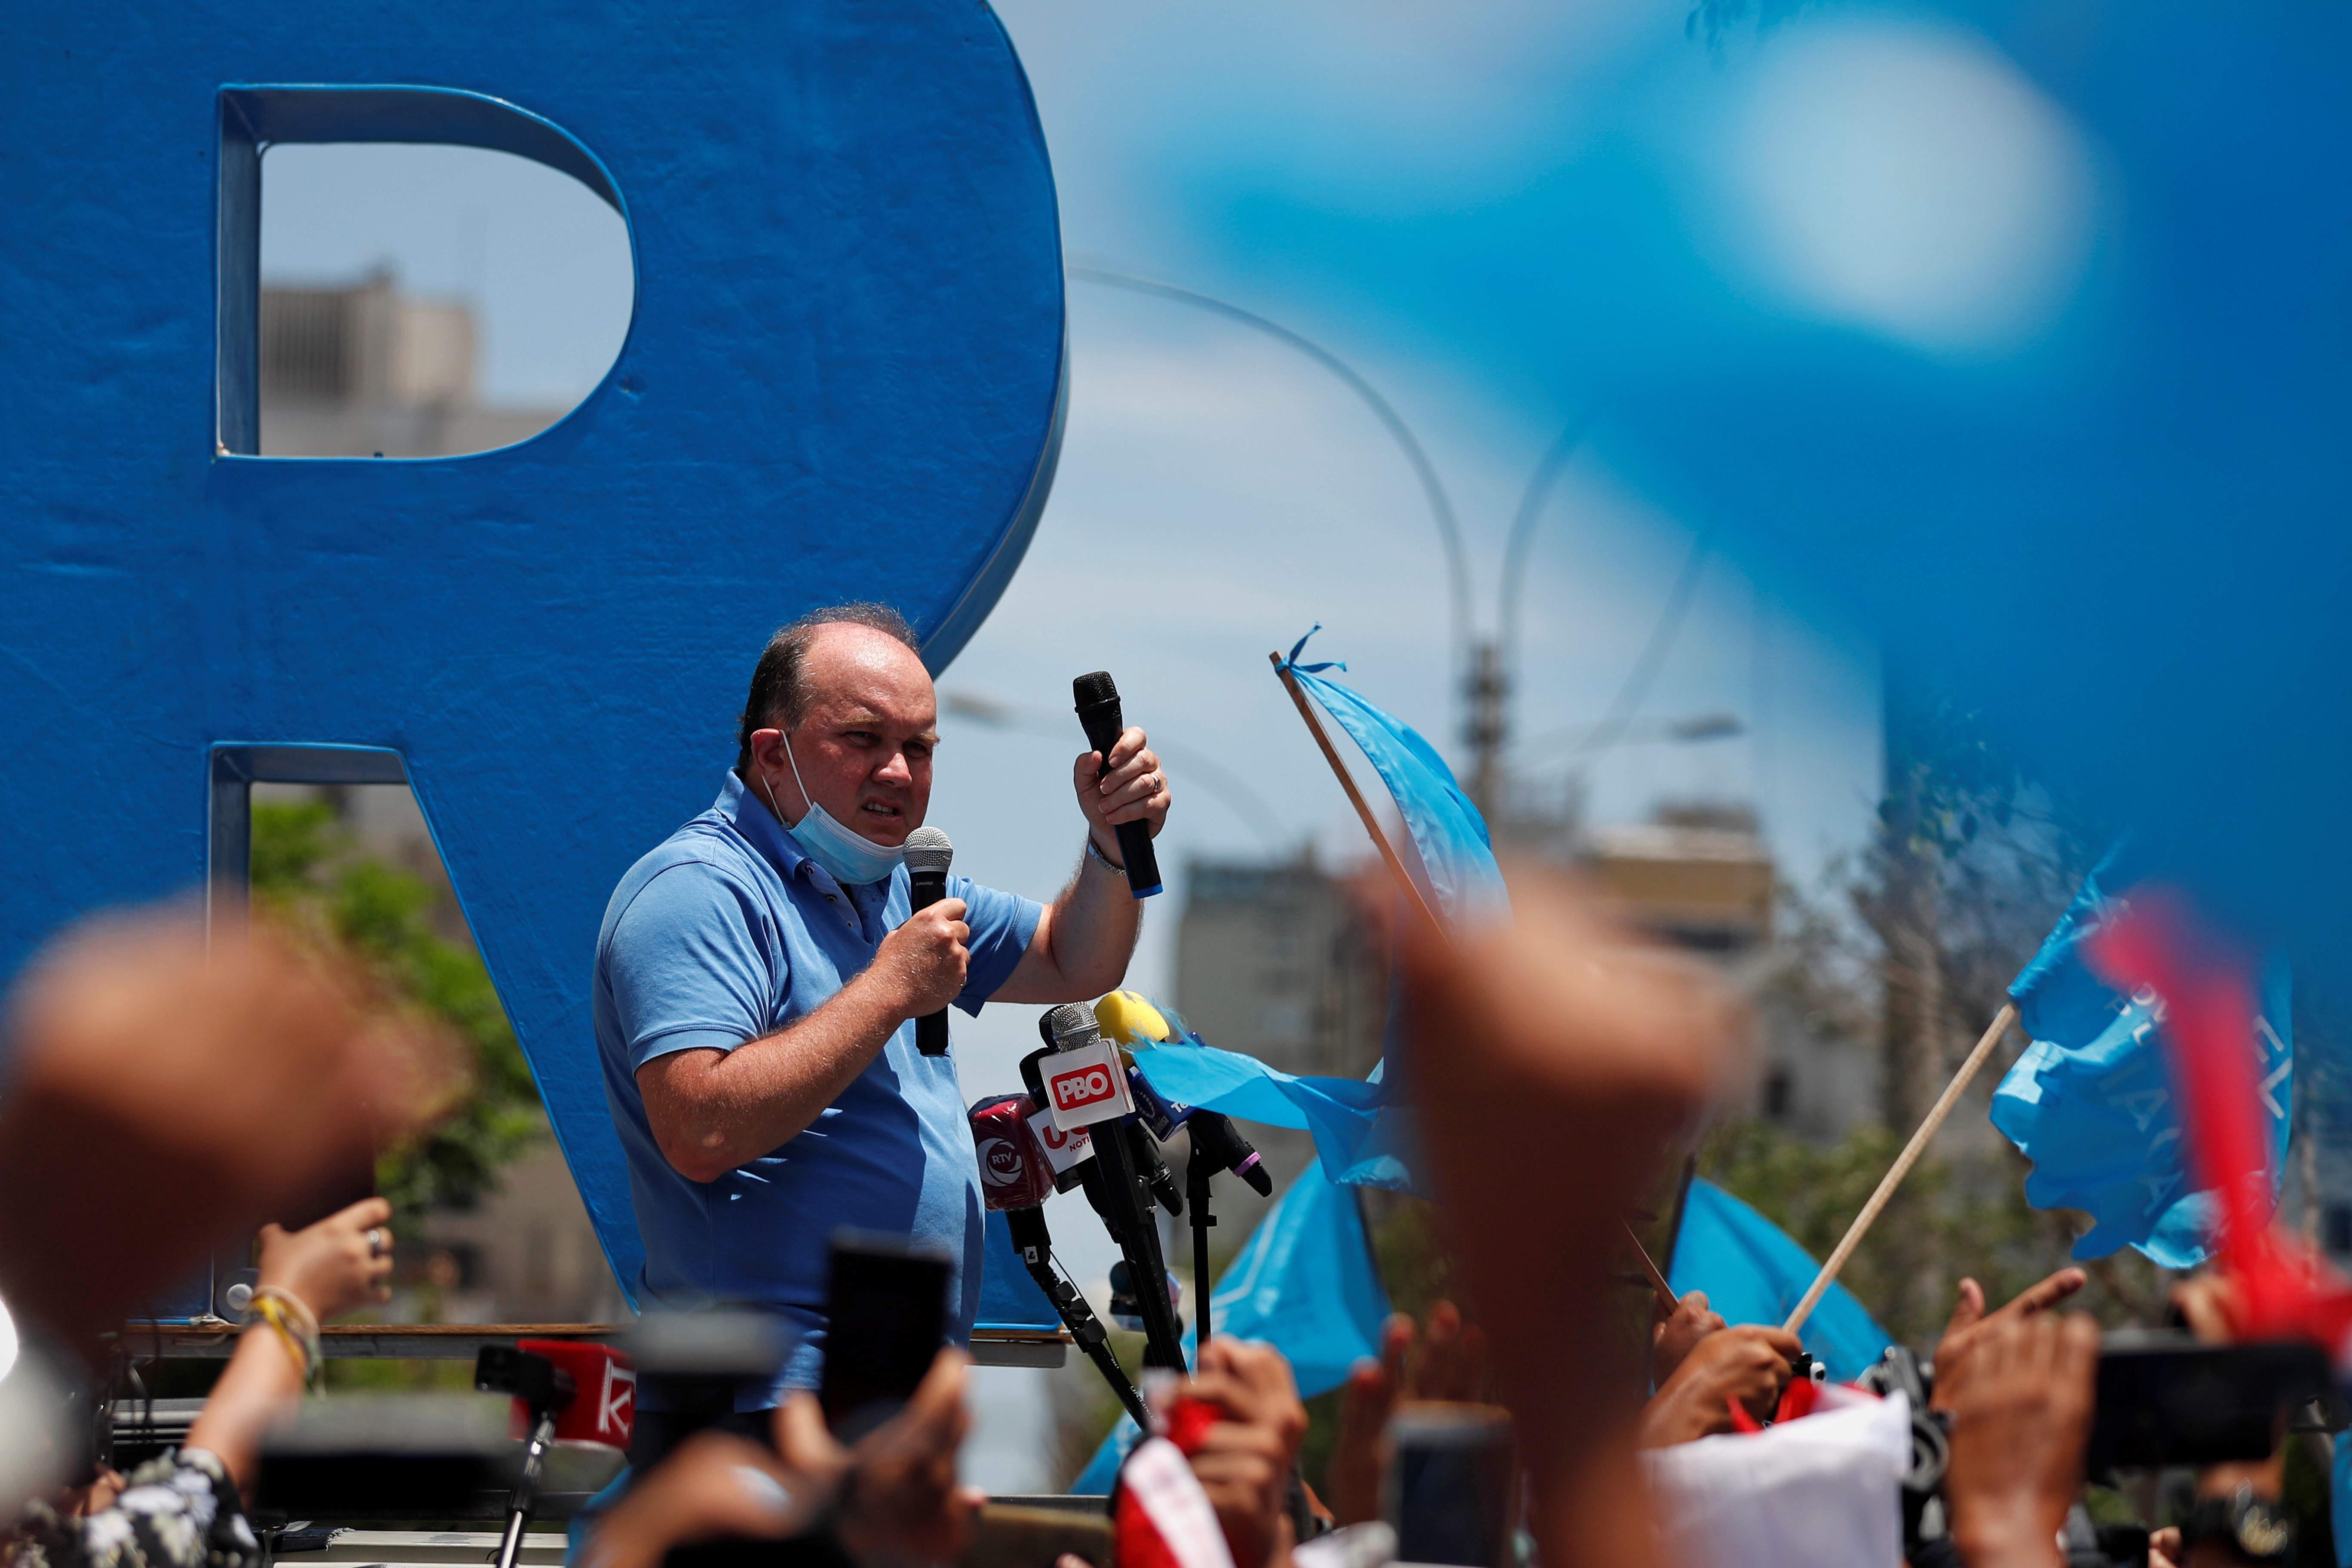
1753 1272
2091 1100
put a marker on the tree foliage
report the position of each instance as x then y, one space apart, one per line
307 872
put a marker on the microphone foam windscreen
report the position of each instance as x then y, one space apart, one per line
1073 1023
1096 687
928 849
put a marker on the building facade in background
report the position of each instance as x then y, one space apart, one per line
1273 960
363 370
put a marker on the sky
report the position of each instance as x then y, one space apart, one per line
1384 178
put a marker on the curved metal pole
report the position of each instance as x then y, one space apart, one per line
1523 530
1220 781
1441 506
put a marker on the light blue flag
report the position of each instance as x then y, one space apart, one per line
2091 1100
1456 856
1360 1139
1753 1273
1304 1283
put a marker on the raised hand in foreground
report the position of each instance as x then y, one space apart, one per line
1245 1461
171 1090
1565 1055
327 1268
1446 1360
1971 1321
2020 1395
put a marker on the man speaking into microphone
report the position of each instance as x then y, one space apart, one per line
759 974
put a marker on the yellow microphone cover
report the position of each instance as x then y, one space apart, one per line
1126 1018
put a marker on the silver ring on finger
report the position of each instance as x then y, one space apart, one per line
376 1240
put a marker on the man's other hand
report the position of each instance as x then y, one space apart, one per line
2020 1398
1748 1363
1134 789
924 961
902 1503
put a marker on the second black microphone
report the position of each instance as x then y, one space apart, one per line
929 853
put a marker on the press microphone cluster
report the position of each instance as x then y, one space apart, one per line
928 855
1083 1075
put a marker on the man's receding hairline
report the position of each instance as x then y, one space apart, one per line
816 643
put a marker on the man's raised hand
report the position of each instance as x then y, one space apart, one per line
1133 789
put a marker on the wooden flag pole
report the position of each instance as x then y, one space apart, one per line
1902 1166
1356 797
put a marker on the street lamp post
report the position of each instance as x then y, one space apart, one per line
1484 666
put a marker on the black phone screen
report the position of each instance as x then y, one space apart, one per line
2187 1404
886 1318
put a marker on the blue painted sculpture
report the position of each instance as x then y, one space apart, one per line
844 378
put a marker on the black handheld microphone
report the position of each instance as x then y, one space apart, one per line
1097 700
928 855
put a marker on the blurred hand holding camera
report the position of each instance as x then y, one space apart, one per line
899 1498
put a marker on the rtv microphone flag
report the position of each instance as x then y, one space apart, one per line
1753 1272
1303 1283
2091 1101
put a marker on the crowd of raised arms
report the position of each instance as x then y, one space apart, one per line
170 1093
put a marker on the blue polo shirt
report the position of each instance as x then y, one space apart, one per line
728 932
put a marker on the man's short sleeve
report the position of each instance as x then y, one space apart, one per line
687 966
1001 925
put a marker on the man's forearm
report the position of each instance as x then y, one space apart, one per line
1094 925
760 1095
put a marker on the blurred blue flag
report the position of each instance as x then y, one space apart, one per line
2091 1100
1456 856
1753 1273
1303 1283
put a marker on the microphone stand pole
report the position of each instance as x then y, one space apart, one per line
1031 1239
1138 1242
1196 1182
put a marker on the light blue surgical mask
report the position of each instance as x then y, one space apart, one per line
850 855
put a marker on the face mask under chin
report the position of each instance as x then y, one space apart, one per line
850 855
